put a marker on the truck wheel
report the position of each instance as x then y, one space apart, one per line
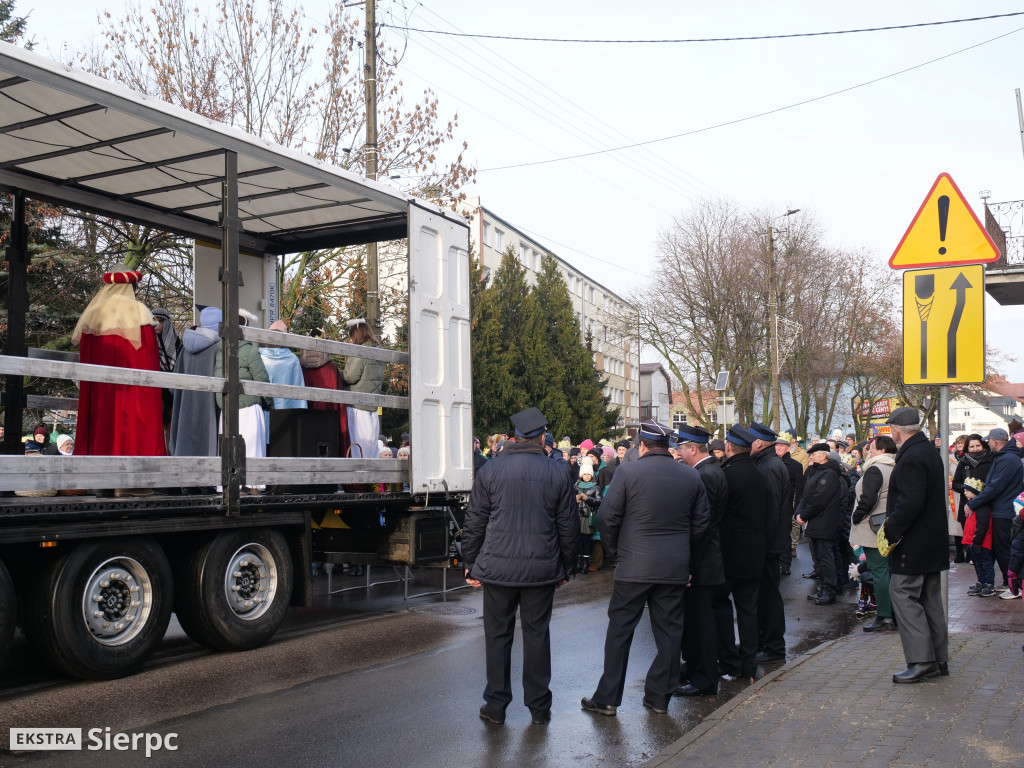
100 610
234 590
7 607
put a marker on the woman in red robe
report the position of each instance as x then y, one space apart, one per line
117 330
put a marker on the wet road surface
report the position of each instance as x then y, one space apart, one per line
380 681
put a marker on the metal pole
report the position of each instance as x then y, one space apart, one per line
774 322
1020 119
17 309
944 432
232 446
370 154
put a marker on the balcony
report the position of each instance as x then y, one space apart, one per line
1004 279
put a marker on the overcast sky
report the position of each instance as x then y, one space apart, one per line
860 161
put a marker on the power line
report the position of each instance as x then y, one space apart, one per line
754 116
704 39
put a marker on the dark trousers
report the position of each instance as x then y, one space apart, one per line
771 612
665 604
1001 543
700 647
842 572
736 659
534 604
824 562
917 603
983 564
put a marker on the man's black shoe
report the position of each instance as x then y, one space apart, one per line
592 706
766 657
786 572
881 625
492 716
915 673
826 598
690 690
812 575
656 710
944 668
814 595
541 718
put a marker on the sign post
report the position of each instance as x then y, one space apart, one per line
944 307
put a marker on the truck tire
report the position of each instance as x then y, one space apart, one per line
234 590
99 610
7 607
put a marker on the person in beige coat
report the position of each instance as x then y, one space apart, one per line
872 492
362 375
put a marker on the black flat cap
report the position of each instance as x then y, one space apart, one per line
904 417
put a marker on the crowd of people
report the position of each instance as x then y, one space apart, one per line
700 532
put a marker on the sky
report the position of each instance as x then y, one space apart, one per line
860 162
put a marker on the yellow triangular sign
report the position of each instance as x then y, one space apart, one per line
944 232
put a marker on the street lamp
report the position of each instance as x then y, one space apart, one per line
773 308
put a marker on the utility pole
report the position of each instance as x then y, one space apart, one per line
1020 118
773 309
370 157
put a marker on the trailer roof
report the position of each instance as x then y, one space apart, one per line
78 140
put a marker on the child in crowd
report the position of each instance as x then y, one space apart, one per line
978 533
588 500
866 601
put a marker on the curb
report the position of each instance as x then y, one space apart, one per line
670 752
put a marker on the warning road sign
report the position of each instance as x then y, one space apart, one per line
944 232
944 325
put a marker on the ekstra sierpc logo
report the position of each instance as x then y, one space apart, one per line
96 739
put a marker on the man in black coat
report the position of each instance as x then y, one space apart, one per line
744 531
821 510
783 448
520 541
916 518
700 645
771 612
653 509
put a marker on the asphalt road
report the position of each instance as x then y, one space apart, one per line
378 682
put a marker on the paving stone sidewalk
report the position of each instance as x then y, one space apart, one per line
837 705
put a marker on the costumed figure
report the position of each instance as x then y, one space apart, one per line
319 371
363 375
252 419
194 415
117 330
283 368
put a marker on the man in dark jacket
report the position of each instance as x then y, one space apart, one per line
521 541
822 509
783 449
1004 481
771 612
652 511
744 536
916 518
700 645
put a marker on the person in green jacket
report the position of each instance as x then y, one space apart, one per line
252 419
362 375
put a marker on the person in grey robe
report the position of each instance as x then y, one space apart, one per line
194 415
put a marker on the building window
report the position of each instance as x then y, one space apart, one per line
499 239
536 262
524 255
678 419
487 233
591 290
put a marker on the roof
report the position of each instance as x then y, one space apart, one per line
697 402
78 140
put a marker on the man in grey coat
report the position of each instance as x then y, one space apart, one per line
652 510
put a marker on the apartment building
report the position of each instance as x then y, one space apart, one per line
600 310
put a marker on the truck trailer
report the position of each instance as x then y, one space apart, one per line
92 579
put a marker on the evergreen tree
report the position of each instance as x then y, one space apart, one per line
579 384
12 28
503 316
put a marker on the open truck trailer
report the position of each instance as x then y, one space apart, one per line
93 580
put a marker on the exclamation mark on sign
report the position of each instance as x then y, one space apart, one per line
943 219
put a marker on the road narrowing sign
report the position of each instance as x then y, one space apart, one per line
944 325
944 232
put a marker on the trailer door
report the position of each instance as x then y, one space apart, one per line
440 383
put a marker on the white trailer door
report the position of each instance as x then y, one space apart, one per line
440 384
